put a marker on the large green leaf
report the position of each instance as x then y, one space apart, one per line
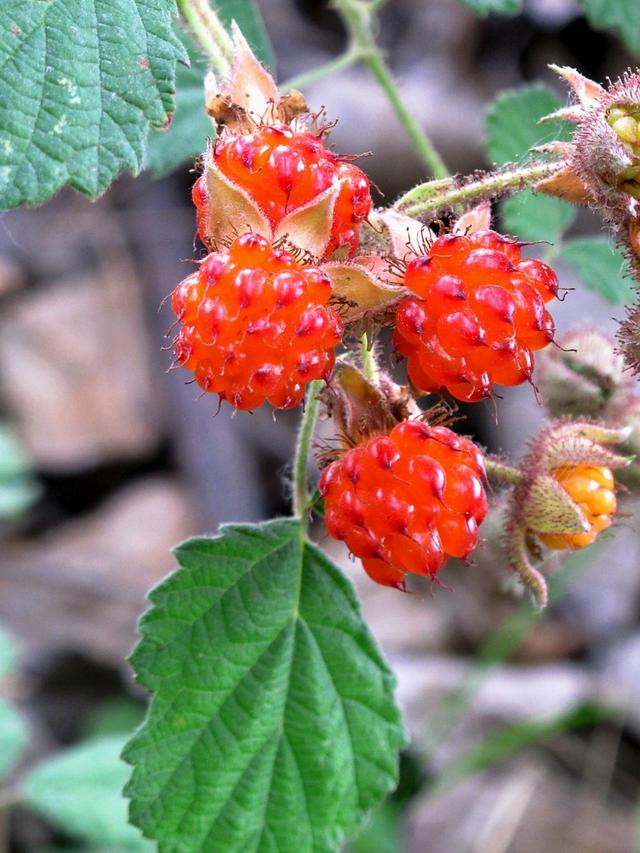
14 737
619 15
512 129
272 725
501 7
185 139
602 267
79 791
83 80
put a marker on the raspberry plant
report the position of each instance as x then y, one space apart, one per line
272 723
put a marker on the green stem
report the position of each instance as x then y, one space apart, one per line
345 60
213 39
303 445
500 471
369 365
426 198
358 17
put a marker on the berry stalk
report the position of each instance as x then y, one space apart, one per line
301 495
422 200
208 31
358 17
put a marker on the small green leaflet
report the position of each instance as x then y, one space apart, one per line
602 267
87 79
620 15
186 138
79 791
500 7
272 724
14 737
512 129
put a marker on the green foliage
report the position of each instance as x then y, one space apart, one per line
501 7
512 129
117 715
619 15
86 81
79 791
186 138
272 724
18 489
602 267
14 737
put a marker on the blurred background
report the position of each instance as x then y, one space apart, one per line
526 732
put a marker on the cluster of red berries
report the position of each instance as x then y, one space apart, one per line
478 314
255 324
282 169
405 501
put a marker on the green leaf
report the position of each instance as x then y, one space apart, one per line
602 267
619 15
79 791
87 78
501 7
186 137
512 129
247 16
14 737
273 725
536 217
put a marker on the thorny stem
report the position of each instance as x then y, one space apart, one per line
424 200
358 17
303 445
208 31
369 366
500 471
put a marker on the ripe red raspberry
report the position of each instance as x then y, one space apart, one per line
405 501
255 324
478 314
282 170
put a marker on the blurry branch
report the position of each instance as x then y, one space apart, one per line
498 648
352 55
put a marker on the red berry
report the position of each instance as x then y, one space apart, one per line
477 315
255 324
405 501
283 169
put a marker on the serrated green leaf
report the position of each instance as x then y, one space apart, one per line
272 725
79 791
13 737
87 79
512 129
501 7
602 267
619 15
186 137
246 14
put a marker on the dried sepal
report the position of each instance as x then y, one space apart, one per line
309 226
361 297
551 510
478 218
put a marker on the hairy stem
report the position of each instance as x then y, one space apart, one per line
500 471
369 365
358 17
427 198
212 38
303 446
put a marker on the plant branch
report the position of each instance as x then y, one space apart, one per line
500 471
352 55
303 446
433 196
358 17
369 365
210 34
